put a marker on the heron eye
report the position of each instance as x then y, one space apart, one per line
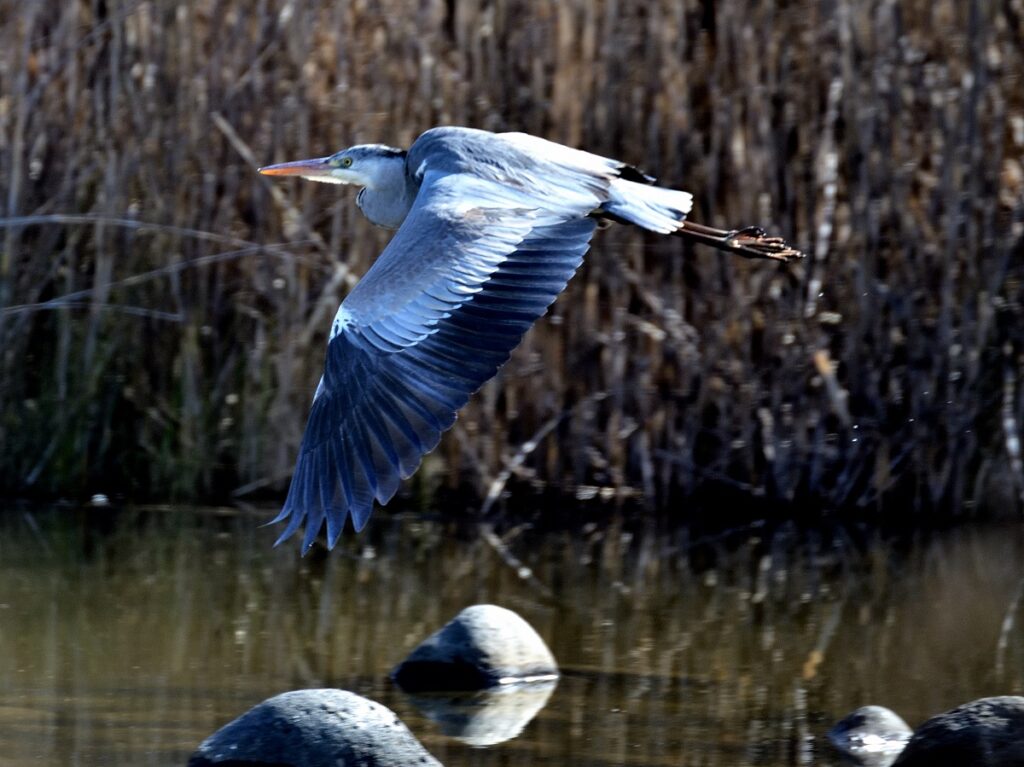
346 162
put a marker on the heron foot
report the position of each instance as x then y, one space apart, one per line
753 241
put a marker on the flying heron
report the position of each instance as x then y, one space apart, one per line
491 227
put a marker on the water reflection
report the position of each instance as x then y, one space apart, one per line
486 717
127 638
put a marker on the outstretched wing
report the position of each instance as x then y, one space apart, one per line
470 270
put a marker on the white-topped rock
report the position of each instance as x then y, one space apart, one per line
482 646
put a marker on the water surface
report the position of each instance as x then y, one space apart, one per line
127 637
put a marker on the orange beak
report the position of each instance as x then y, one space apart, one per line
318 166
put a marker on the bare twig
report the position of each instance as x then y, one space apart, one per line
72 299
517 458
514 563
1011 429
1006 629
327 301
836 393
828 182
91 219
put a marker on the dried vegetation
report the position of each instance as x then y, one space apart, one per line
163 308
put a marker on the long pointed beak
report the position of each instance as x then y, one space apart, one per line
318 166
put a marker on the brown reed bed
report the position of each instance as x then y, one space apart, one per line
163 309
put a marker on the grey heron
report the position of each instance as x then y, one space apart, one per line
490 228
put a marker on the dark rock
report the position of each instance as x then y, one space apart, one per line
485 717
871 735
314 728
988 732
482 646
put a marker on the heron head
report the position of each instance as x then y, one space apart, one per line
366 165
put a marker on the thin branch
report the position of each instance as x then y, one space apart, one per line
90 219
70 299
1009 619
505 554
516 460
135 311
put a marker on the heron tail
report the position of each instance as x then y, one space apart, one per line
654 208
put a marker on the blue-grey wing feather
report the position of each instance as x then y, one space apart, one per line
471 269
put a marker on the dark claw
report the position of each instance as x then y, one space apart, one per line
750 231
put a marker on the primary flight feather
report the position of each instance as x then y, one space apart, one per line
491 227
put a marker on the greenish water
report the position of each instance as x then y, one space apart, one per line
126 638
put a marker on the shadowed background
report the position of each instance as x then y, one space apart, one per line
163 309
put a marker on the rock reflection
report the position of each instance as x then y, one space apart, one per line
488 717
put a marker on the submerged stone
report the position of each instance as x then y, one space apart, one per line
314 728
482 646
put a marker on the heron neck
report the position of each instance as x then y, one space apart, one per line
387 202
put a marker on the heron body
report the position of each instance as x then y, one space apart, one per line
490 228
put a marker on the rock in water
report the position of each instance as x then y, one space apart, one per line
482 646
314 728
872 735
988 732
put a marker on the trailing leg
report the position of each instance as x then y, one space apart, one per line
749 242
